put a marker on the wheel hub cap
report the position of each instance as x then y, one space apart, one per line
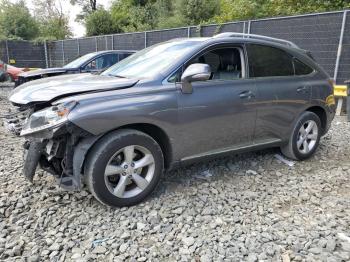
307 137
129 171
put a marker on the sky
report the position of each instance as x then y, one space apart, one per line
77 28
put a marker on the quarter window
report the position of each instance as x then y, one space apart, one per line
301 69
265 61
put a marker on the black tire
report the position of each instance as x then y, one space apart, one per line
103 151
291 149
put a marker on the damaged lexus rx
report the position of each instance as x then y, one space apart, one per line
175 102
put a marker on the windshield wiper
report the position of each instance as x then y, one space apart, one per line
117 76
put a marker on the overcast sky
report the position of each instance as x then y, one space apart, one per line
77 28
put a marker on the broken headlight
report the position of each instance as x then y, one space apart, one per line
47 118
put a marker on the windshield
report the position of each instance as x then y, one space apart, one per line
153 60
79 61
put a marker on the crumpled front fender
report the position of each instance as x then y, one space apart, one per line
80 152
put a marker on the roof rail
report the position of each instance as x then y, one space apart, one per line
262 37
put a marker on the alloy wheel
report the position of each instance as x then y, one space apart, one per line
129 171
307 136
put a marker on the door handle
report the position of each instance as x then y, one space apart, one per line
246 94
303 89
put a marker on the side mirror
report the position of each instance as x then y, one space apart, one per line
195 72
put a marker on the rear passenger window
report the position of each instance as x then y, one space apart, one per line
301 69
265 61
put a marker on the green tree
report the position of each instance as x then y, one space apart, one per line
16 22
168 14
133 15
53 22
247 9
236 10
99 23
197 11
88 7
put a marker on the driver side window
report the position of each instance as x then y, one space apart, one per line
101 62
225 64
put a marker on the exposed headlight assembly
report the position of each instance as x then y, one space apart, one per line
48 118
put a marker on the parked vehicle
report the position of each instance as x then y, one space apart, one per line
9 72
173 103
92 62
14 72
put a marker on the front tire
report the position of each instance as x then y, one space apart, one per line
305 137
124 167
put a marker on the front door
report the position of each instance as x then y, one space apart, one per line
220 114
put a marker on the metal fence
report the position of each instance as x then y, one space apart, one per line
326 35
23 53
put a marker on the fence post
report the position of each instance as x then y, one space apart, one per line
244 27
106 42
63 56
7 52
78 47
249 24
340 46
46 55
96 43
189 32
112 42
145 39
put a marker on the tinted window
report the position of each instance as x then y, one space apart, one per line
110 60
225 63
80 61
102 62
95 64
123 56
265 61
301 69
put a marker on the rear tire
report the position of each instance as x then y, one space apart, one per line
124 167
305 137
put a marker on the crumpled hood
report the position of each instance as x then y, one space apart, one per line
40 72
47 89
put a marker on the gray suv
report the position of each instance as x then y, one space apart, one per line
173 103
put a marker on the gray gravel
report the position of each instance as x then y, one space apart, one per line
247 207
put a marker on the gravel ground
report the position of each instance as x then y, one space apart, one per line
249 207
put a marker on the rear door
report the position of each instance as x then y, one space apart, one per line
281 92
220 113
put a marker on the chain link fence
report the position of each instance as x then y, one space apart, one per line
326 35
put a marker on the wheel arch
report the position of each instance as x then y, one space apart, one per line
158 134
321 113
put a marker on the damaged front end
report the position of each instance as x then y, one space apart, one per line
52 142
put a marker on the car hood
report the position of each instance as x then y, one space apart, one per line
46 71
48 89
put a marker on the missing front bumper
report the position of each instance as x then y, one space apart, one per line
43 155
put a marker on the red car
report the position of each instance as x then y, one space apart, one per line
9 72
